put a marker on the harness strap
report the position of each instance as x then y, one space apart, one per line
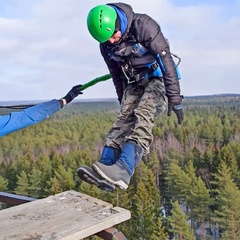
151 70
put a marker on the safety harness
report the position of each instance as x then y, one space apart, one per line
137 64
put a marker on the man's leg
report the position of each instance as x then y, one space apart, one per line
121 172
109 155
152 103
121 128
124 123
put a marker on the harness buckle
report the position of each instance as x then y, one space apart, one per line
129 72
154 66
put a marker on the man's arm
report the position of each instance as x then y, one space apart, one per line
32 115
153 38
17 120
150 35
115 71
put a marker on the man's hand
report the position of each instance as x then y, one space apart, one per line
74 92
178 111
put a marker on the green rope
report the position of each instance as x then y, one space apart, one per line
83 87
95 80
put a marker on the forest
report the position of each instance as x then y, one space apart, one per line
186 188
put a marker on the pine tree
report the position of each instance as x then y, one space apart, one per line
201 201
125 200
3 184
22 184
146 208
198 198
191 191
227 155
228 201
179 182
54 186
64 177
179 225
35 183
160 231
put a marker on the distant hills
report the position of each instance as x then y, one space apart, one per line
25 102
224 95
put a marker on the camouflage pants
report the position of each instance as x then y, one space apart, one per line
139 108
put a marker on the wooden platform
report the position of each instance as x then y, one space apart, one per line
67 216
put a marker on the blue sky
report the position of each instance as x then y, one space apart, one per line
45 47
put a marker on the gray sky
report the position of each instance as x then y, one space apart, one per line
45 47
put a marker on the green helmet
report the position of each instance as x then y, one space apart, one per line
101 22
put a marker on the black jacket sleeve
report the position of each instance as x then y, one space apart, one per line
116 73
153 38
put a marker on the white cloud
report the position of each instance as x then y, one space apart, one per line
48 50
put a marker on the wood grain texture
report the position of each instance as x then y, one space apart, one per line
67 216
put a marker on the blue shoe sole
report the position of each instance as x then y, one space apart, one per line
88 175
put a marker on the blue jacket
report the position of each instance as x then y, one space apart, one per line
32 115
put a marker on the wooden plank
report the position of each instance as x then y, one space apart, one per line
67 216
14 199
